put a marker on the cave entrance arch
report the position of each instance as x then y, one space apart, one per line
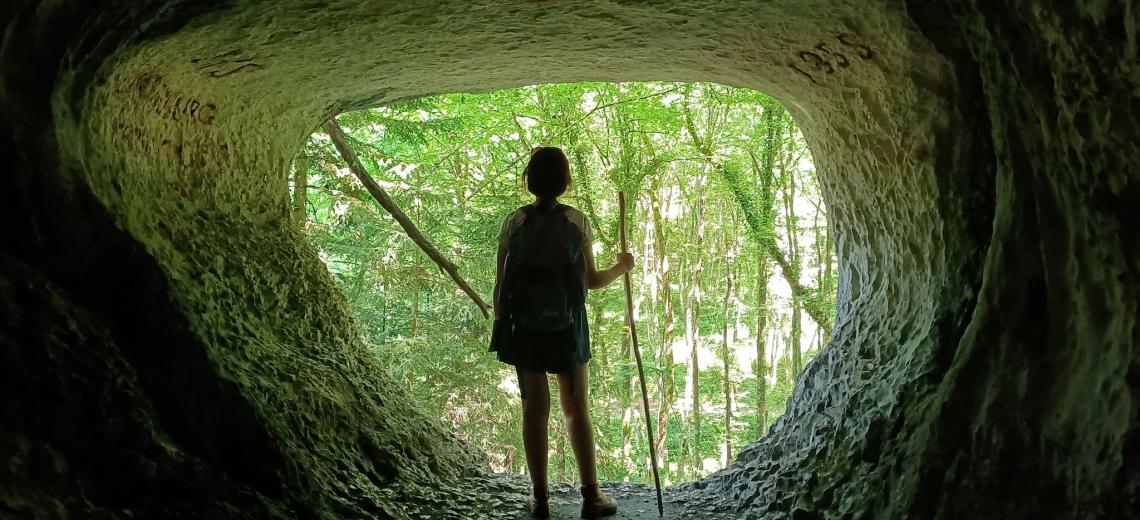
453 164
212 114
167 126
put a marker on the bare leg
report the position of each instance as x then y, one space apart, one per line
536 414
572 392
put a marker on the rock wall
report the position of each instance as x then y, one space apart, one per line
171 344
1020 397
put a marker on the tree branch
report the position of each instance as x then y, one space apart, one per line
332 128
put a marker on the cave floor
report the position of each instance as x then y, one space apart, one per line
640 505
635 501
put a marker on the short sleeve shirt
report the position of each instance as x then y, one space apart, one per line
516 218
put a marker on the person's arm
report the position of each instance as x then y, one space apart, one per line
596 279
499 266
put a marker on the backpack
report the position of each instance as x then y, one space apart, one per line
544 272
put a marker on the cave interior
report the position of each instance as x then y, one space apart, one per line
170 345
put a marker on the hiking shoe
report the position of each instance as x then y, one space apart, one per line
596 504
540 506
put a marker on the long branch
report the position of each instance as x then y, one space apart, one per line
332 128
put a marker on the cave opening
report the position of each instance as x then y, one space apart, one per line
725 199
172 344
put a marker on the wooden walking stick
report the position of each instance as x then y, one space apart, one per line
637 357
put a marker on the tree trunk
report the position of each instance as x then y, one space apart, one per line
687 304
776 351
601 363
794 341
726 354
627 405
826 287
601 371
646 265
560 450
761 368
419 285
817 253
694 345
788 177
301 188
665 351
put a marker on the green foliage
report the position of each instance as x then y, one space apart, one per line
453 163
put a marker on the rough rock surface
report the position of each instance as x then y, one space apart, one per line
171 346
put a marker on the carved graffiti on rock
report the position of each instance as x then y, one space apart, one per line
827 58
152 89
175 143
227 63
850 40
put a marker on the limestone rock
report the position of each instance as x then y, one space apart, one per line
170 343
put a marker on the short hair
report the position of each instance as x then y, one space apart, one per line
547 175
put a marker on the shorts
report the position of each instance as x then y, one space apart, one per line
550 352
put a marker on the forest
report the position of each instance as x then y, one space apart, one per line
734 288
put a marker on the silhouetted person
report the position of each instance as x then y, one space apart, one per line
545 266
